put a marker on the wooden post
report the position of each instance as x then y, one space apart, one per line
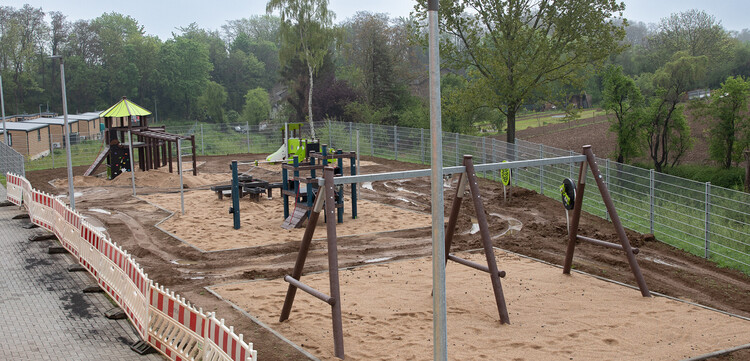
169 155
195 164
333 263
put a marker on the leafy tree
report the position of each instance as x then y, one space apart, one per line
305 35
184 69
258 28
212 102
257 106
730 131
516 48
623 98
667 132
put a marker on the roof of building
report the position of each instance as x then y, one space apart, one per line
52 121
25 126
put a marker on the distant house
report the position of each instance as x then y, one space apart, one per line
88 124
29 139
56 126
698 94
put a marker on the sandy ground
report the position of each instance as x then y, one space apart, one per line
387 315
530 224
208 225
159 178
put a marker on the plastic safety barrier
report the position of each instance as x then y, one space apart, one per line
163 319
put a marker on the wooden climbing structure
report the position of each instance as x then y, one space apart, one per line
155 147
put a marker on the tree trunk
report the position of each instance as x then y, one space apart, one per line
511 134
309 101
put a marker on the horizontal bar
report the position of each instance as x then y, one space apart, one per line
605 244
453 170
473 265
301 167
319 295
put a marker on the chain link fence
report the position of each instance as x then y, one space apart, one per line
705 220
10 160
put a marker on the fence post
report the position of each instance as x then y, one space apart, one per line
203 149
372 142
541 170
247 131
421 143
606 182
570 170
395 142
458 156
351 135
708 219
484 155
652 186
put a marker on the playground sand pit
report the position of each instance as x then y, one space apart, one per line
387 315
208 225
158 178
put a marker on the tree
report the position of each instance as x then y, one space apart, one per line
212 102
623 98
257 106
305 35
515 48
184 69
667 132
728 108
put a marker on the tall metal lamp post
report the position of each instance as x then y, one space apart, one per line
2 106
66 131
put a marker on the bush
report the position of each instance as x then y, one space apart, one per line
732 178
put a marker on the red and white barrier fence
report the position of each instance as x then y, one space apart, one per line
166 321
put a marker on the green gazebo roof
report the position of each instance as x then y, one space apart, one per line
124 108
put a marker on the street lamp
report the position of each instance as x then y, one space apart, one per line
2 106
66 131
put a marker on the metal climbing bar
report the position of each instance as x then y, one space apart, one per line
455 170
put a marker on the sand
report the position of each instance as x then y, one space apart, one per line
208 225
158 178
387 315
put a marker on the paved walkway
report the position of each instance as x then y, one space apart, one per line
44 315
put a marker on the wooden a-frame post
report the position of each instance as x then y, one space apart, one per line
573 233
470 178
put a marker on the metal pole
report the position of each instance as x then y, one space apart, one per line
458 161
2 106
372 142
203 150
358 164
421 143
66 130
395 142
651 191
708 219
247 128
350 136
179 169
439 308
606 179
132 169
541 170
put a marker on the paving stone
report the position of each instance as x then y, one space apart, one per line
44 314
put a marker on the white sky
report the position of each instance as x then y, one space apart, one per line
160 17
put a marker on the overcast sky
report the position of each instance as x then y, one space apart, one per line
160 17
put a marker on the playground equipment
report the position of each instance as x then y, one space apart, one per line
240 186
293 144
468 176
305 198
154 144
